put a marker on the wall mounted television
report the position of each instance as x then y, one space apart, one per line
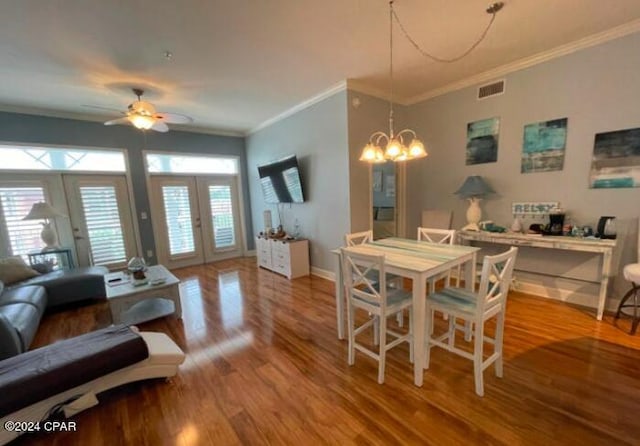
281 181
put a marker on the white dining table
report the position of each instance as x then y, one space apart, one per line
419 261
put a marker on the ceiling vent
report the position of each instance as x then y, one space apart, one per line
492 89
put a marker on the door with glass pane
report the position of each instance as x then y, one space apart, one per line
196 219
101 219
176 221
219 212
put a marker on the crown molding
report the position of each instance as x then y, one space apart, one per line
358 86
340 86
563 50
49 113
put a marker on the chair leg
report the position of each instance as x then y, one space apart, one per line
376 330
452 331
350 334
400 318
625 299
634 324
383 348
468 330
428 329
412 342
498 343
477 358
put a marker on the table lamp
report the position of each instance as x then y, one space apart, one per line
474 189
44 211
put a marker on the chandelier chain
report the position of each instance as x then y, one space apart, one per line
391 13
440 59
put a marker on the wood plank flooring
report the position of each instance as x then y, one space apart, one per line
264 366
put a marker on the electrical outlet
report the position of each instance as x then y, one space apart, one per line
143 215
149 254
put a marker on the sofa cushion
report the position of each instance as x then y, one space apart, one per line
14 269
34 295
1 286
25 319
66 286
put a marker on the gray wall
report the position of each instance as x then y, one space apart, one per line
44 130
317 135
597 89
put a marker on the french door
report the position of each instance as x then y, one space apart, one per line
101 220
196 219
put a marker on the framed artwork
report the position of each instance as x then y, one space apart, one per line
482 141
616 160
377 181
543 146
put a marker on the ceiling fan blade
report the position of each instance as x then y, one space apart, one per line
124 120
160 126
173 118
99 107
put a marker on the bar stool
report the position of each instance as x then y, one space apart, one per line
631 273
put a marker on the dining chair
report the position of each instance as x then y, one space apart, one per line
444 237
359 238
474 307
631 273
377 299
436 218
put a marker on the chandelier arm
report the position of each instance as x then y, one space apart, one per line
491 11
377 136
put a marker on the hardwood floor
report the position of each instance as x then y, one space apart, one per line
264 366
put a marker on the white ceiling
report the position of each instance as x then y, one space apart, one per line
239 63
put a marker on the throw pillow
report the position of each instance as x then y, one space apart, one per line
14 269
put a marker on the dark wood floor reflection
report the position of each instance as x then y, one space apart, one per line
264 366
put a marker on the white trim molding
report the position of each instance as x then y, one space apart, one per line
323 273
340 86
563 50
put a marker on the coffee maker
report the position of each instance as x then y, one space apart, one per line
606 228
556 223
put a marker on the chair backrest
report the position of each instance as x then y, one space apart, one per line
441 236
356 269
436 218
495 279
358 238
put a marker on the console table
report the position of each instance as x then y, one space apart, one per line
595 245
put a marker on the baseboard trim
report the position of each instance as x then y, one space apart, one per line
323 273
251 253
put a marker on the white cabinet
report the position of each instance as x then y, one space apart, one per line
287 257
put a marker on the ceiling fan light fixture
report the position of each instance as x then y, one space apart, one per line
142 122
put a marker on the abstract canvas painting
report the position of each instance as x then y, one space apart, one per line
616 160
543 146
482 141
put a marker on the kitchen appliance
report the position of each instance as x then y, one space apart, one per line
556 223
606 227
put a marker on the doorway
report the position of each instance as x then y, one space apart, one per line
196 219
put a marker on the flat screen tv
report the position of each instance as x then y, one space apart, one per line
281 182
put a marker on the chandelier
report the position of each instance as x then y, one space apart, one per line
405 145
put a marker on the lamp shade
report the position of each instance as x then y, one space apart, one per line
474 186
43 211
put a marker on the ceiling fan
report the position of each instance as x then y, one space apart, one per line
142 115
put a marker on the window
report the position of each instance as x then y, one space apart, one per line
69 159
15 203
171 163
177 207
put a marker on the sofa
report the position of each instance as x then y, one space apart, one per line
23 302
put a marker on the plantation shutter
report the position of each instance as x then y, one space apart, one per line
177 208
104 227
15 203
222 215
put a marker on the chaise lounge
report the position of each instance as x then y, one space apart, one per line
63 378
